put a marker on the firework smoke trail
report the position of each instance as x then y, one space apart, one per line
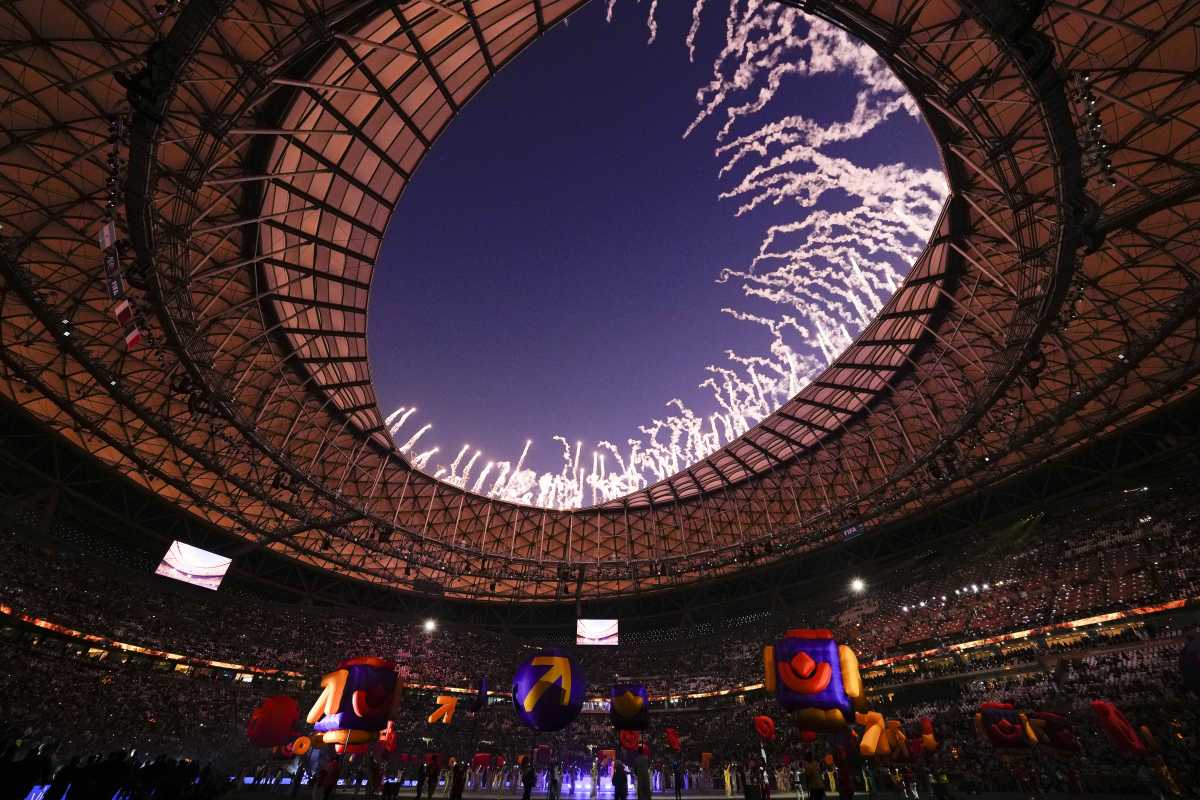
403 415
828 272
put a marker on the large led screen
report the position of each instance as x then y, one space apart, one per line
595 631
193 565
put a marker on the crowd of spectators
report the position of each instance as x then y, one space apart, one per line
86 707
106 721
1144 681
1136 550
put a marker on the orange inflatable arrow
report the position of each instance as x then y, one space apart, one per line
445 710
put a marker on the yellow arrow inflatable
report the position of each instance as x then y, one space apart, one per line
559 672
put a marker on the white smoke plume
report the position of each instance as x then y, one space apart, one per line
827 272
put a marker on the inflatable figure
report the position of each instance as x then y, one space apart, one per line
629 707
356 700
911 746
272 723
873 740
673 740
1139 743
1055 732
896 741
1118 729
814 676
630 740
1004 726
548 690
929 741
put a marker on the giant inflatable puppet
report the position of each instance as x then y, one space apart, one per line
356 700
814 677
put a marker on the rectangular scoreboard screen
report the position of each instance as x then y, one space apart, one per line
596 631
193 565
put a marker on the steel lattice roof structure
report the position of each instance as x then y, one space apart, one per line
250 152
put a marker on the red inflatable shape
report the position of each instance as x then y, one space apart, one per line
765 727
1117 728
1003 726
673 740
808 737
387 737
272 723
629 740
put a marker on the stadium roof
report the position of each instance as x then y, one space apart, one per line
264 145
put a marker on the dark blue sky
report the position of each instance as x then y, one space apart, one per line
551 267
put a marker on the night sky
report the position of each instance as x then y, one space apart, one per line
551 269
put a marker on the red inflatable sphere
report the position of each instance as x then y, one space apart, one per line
765 727
273 721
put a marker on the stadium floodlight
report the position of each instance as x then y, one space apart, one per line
858 585
430 625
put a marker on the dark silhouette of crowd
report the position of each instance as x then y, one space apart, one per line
102 777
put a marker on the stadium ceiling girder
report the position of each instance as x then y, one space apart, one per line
269 141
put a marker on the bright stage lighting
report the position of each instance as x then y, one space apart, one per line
430 625
858 585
